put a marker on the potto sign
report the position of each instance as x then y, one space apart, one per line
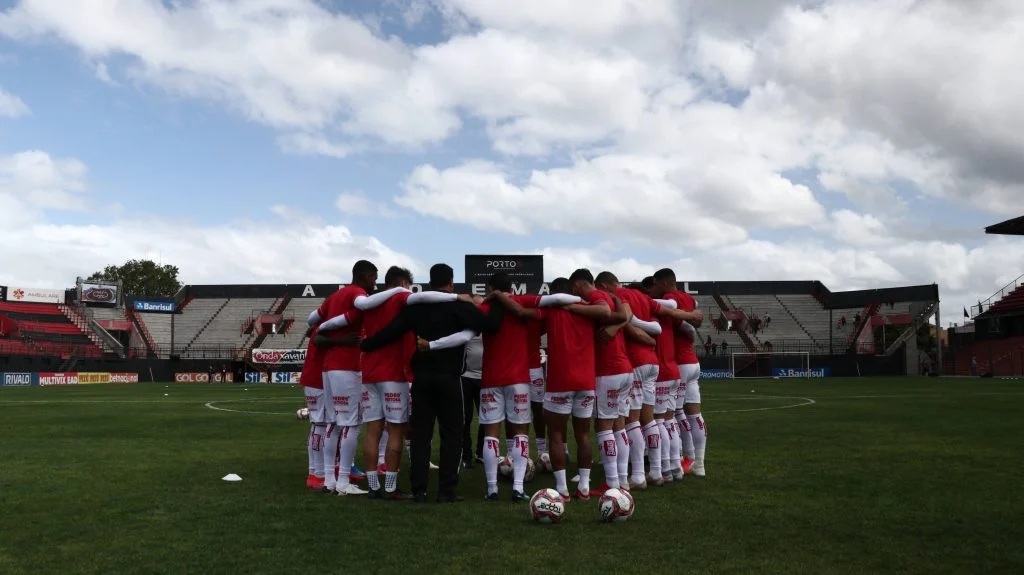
521 269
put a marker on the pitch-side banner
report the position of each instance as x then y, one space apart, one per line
716 374
153 306
34 295
85 378
196 377
16 379
49 378
278 356
98 293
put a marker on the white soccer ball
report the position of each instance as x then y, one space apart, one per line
544 463
302 414
616 505
547 506
505 467
531 470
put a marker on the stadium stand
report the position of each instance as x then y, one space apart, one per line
51 329
158 325
293 334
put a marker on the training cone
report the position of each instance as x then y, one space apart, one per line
231 477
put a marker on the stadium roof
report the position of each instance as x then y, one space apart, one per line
1014 227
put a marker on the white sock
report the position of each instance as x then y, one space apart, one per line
520 454
382 447
699 433
609 457
331 456
542 445
622 451
311 449
684 434
491 463
372 480
408 447
584 484
347 445
652 436
561 485
390 481
675 457
637 445
666 446
510 446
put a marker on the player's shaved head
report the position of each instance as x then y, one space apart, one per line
664 282
665 275
397 276
364 274
581 275
607 281
560 285
441 276
500 282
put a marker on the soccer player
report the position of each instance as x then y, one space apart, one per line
342 378
534 331
313 389
505 387
640 347
570 384
692 430
614 374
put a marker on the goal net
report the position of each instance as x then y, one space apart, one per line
769 364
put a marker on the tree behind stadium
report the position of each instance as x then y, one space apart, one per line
142 278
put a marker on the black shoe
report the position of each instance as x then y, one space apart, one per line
491 497
519 496
397 495
450 498
376 494
419 498
467 464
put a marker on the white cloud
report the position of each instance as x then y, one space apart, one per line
358 204
32 181
11 106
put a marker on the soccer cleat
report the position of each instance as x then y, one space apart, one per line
356 474
450 498
575 478
518 496
599 490
313 482
491 496
677 474
687 464
667 477
433 467
419 498
565 496
376 494
397 495
581 495
382 469
697 469
656 481
634 486
467 464
350 489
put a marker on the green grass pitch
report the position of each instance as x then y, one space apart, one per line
905 475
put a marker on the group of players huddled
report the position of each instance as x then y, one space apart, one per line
622 356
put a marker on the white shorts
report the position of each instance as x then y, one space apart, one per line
388 400
664 396
578 403
537 385
613 395
643 386
511 402
691 380
344 391
316 405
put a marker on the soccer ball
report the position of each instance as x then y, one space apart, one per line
302 414
547 506
505 467
544 462
616 505
531 470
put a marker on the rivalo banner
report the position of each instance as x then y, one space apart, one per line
153 306
98 293
35 295
20 379
278 356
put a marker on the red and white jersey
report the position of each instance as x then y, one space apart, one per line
313 369
612 358
506 356
644 309
387 364
668 369
534 329
685 354
571 359
343 357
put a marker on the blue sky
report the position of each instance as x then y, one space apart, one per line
729 143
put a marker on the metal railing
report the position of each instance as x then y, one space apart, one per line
976 310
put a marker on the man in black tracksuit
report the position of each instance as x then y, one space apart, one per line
436 387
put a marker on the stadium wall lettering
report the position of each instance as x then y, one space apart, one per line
716 373
19 379
35 295
255 377
197 377
278 356
51 378
286 377
814 372
147 306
